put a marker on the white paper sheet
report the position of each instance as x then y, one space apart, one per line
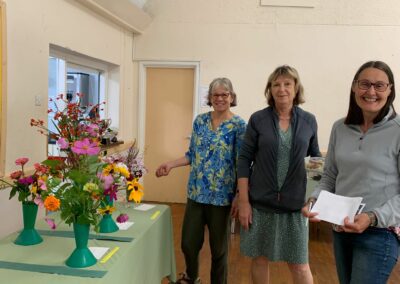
334 208
144 207
124 226
98 252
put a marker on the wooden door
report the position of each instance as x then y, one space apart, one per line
169 114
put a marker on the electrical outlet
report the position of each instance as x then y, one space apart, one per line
38 100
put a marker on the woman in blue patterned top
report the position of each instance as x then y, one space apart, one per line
212 156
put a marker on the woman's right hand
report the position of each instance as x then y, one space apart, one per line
310 215
245 214
163 169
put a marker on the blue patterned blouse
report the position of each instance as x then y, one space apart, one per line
213 158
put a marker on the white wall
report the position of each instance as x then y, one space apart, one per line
246 42
31 27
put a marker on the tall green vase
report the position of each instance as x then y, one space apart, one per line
81 256
107 223
29 236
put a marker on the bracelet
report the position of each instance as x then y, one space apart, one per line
372 218
311 200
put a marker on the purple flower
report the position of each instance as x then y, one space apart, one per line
112 192
63 143
26 180
122 218
51 223
85 147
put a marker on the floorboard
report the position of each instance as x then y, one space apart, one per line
321 257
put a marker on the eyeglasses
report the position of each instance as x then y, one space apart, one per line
222 96
378 86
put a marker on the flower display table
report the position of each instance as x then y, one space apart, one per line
142 254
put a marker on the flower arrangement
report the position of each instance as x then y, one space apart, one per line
29 188
135 169
81 182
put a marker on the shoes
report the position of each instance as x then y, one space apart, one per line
184 279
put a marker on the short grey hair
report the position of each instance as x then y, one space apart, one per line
226 84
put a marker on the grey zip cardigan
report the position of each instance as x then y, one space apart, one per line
259 155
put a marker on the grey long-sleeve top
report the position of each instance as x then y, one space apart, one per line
366 165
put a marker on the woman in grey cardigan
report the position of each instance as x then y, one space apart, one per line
363 160
272 179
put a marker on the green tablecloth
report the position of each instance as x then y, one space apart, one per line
146 259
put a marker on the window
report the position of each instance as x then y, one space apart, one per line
70 74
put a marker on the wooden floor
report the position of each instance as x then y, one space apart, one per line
321 257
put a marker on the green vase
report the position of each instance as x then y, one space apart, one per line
81 256
107 223
29 236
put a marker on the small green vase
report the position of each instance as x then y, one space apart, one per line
107 223
81 256
29 236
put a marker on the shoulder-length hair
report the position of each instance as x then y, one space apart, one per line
290 72
224 83
354 114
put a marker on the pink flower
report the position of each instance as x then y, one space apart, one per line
40 169
93 130
38 201
122 218
63 143
107 180
16 175
51 223
85 147
42 184
21 161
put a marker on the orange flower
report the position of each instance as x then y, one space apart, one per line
52 203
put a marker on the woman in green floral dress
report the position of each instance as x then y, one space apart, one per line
272 179
212 156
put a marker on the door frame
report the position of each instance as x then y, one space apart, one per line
143 65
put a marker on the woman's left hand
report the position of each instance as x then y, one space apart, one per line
361 223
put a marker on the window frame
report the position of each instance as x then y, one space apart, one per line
3 86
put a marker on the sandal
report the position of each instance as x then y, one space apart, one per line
184 279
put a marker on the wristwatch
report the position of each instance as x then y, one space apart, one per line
372 218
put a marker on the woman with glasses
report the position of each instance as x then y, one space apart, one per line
212 156
272 179
363 160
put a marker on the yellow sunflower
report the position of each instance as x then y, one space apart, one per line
106 210
136 190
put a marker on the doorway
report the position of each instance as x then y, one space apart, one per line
169 95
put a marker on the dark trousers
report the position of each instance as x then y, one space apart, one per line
197 216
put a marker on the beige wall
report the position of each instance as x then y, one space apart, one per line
31 27
245 42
